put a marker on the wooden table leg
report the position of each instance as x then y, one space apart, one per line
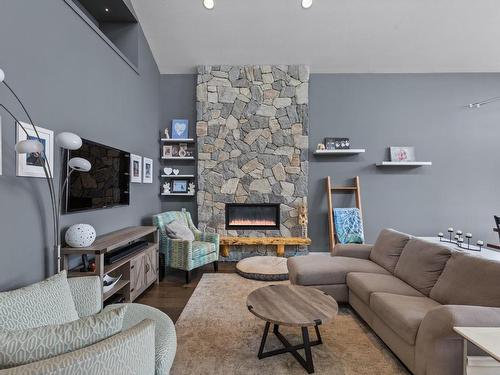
280 250
225 250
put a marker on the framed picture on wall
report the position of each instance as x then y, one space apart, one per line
147 171
180 129
31 165
135 168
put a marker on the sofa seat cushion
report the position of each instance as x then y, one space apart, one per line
421 264
388 248
364 284
403 314
327 270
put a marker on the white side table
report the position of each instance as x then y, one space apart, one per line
488 340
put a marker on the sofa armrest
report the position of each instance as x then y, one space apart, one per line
131 351
352 250
439 349
87 294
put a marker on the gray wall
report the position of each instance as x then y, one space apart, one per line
377 111
71 80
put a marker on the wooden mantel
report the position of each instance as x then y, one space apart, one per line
279 242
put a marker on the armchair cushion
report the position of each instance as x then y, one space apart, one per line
129 352
87 294
177 229
44 303
165 336
35 344
201 249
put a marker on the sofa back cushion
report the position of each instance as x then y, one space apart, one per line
32 345
421 263
388 247
468 280
44 303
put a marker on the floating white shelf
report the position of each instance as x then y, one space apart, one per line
184 140
177 194
404 164
178 158
177 175
348 151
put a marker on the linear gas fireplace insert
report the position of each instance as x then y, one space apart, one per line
253 216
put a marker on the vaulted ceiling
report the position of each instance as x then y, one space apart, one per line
347 36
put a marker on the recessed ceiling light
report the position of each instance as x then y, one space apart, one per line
306 4
106 9
209 4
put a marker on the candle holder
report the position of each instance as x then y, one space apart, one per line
458 240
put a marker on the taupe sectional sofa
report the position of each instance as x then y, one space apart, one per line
411 293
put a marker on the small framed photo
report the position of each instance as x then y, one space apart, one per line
135 168
180 129
167 151
337 143
147 170
180 186
402 153
31 165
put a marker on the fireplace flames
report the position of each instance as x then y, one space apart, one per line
252 222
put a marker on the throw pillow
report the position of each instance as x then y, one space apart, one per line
44 303
32 345
178 230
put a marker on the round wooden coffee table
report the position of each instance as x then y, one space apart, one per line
295 306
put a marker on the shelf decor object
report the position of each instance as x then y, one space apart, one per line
404 164
34 144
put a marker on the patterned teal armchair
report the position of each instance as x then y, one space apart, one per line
183 254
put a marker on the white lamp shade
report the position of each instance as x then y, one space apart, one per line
209 4
79 164
69 141
29 146
306 4
2 75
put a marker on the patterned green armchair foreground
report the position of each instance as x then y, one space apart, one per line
184 254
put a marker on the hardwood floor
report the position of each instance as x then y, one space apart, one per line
172 293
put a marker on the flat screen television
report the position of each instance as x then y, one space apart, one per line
105 185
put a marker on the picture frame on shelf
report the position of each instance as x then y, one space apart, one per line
180 129
147 170
135 168
337 143
31 165
167 151
402 154
180 186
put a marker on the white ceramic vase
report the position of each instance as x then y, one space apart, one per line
80 235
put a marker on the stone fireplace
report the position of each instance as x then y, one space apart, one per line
253 216
252 129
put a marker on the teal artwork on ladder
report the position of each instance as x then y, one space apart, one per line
348 225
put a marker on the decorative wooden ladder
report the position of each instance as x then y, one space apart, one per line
330 189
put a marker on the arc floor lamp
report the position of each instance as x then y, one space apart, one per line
66 141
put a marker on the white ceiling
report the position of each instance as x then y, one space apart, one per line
333 36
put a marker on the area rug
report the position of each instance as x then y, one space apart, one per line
216 334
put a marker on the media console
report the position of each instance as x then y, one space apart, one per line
138 268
